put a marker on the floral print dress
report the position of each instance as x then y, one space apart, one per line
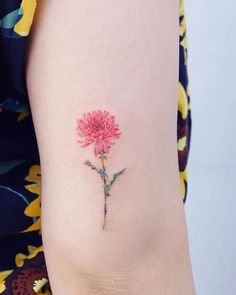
22 264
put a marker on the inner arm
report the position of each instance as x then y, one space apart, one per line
120 57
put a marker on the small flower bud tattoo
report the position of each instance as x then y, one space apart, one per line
99 129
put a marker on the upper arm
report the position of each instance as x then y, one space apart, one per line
121 57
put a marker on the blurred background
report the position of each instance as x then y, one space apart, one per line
211 203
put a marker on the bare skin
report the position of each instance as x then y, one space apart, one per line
120 56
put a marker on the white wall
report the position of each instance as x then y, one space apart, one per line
211 204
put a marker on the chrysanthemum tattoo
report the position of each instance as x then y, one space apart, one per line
100 129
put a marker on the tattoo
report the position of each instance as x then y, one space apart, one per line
99 129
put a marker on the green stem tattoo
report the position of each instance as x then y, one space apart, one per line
107 183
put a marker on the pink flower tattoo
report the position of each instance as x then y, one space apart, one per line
100 129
